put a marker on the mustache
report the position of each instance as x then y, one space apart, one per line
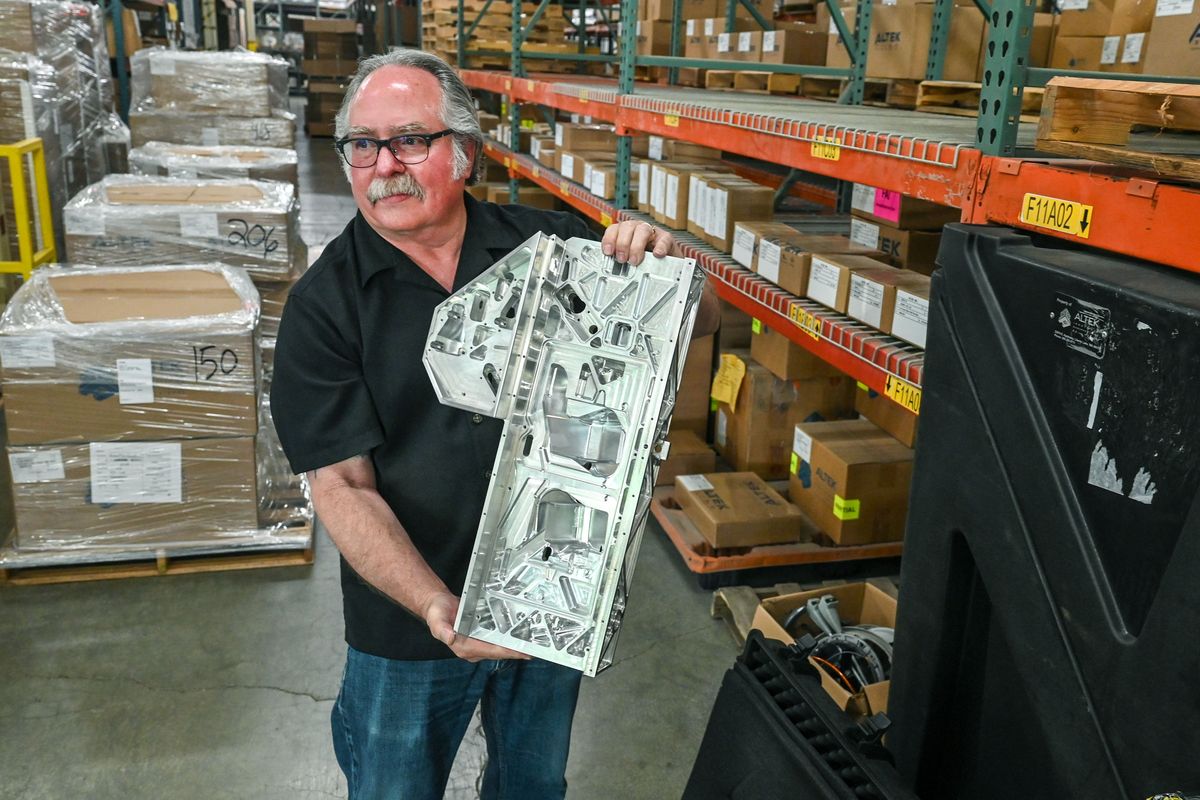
396 184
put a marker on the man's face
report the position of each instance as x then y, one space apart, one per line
396 198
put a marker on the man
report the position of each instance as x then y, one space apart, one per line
398 479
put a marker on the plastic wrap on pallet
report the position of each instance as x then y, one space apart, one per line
114 137
130 220
130 355
277 129
283 497
214 163
238 83
35 26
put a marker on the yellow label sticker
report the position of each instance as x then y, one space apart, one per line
507 162
805 321
530 86
728 380
756 325
508 84
671 120
172 12
828 148
605 219
537 172
1053 214
712 405
583 96
795 465
845 509
863 386
562 187
527 124
903 393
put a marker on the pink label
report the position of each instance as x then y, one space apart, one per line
887 205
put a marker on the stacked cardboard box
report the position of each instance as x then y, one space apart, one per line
1104 35
439 25
130 398
214 163
784 255
1173 44
737 509
330 59
899 43
907 230
716 202
56 84
210 98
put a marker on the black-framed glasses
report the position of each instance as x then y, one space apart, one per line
407 148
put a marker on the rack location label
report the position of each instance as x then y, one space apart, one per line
671 120
903 393
1053 214
828 148
806 321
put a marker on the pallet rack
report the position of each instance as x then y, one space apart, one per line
984 166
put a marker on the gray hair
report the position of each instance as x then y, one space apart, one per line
458 107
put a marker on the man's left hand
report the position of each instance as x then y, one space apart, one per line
629 241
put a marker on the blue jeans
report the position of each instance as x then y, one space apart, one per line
397 725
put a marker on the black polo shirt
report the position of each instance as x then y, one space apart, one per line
349 380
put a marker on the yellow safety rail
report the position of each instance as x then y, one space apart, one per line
27 256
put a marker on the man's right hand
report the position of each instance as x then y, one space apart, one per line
439 616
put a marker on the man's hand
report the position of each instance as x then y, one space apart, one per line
630 240
439 616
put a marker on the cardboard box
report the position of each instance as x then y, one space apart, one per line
829 278
756 434
1105 17
749 46
273 296
122 494
900 36
662 10
852 479
735 331
1173 44
900 211
747 235
910 320
572 164
786 359
688 455
578 136
873 294
737 509
800 44
127 220
691 399
131 32
1118 54
276 130
123 356
717 202
786 260
914 250
857 604
215 163
653 38
250 84
890 416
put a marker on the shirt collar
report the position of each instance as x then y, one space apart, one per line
485 235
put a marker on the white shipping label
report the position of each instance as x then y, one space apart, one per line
1174 8
802 445
1109 50
198 225
136 472
695 198
745 43
866 301
833 29
1072 5
911 318
599 182
81 222
864 233
710 27
863 198
568 166
743 246
722 428
558 136
723 43
656 145
535 147
587 175
210 137
135 380
671 208
823 279
38 466
691 27
1131 53
694 483
658 189
162 64
25 352
643 183
768 260
717 223
768 41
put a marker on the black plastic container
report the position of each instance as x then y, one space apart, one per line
1048 638
774 734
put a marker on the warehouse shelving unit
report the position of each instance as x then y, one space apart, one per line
984 166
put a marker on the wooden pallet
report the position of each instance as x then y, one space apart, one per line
765 82
702 558
889 92
736 605
961 98
164 563
1100 119
820 87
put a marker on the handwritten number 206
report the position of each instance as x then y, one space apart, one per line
253 236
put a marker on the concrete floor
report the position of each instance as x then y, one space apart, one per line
220 685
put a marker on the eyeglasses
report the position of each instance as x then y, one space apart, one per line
407 148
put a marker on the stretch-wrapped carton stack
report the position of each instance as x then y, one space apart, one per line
214 163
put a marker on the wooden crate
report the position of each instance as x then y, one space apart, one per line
1101 120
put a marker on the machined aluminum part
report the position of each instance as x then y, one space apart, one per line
580 355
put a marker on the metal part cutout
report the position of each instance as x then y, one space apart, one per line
580 355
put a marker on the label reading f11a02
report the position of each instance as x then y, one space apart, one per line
1062 216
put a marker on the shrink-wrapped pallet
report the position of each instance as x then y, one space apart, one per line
239 82
214 163
152 125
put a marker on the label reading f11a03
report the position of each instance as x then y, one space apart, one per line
1062 216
